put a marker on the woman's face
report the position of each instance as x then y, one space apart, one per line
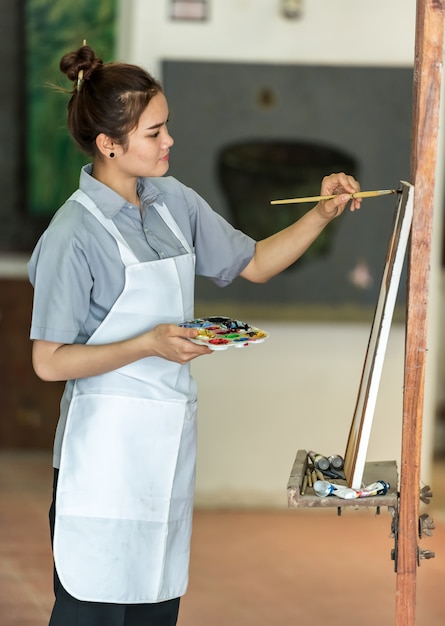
149 143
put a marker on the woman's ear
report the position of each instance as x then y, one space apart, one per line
106 146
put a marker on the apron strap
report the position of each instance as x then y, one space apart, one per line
172 224
127 255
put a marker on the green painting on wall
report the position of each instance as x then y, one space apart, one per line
53 28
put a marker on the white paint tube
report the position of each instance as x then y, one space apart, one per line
324 488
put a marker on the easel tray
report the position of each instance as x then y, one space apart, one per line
374 471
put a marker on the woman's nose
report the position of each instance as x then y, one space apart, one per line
168 140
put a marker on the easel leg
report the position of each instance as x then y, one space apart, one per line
427 81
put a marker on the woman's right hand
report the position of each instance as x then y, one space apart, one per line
171 342
58 361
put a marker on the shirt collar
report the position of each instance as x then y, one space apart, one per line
110 202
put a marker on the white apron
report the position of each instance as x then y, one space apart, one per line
127 472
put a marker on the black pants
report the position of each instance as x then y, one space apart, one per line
69 611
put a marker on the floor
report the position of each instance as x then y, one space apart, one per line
249 568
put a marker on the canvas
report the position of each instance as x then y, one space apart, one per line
357 445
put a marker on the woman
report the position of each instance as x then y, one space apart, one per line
113 276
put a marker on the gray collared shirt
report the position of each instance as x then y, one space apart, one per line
76 269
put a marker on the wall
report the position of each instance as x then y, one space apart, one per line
18 231
29 407
297 390
334 32
284 107
11 113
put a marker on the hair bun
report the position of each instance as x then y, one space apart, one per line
82 59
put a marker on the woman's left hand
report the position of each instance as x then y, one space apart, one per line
342 185
280 250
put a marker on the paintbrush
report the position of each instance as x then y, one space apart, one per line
358 194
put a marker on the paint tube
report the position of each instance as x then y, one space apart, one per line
378 488
320 462
346 493
324 488
336 461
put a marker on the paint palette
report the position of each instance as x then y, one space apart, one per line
220 333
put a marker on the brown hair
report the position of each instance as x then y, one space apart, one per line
107 98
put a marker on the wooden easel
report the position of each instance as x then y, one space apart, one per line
405 504
425 124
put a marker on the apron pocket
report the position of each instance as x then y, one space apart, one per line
119 457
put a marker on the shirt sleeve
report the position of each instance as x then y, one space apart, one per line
62 282
222 251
